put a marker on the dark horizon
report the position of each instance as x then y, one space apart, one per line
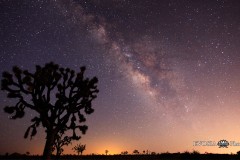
163 156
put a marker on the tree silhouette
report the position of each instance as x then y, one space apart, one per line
106 151
60 97
79 148
238 153
124 152
135 151
153 153
60 141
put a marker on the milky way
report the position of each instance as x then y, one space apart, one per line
144 62
168 71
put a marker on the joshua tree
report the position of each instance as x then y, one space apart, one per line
60 141
124 152
79 148
135 152
60 97
106 151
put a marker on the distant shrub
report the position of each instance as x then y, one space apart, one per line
186 152
238 153
195 152
135 151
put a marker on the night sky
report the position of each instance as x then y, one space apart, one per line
168 70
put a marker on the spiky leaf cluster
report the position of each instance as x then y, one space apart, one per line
79 148
61 97
60 141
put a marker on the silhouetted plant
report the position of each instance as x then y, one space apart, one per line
135 151
186 152
153 153
195 152
147 152
59 96
238 153
106 151
79 148
60 141
124 152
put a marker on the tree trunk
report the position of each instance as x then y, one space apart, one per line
58 152
48 146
